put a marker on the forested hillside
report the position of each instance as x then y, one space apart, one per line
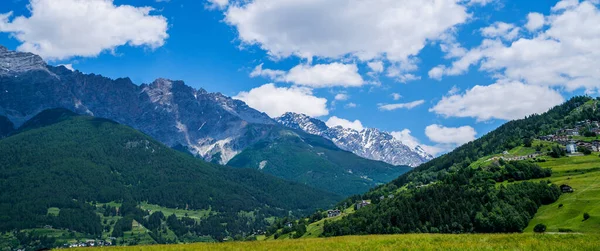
506 137
71 163
313 160
450 195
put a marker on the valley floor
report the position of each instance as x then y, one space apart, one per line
548 241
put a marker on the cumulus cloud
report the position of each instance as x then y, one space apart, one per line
535 21
502 100
410 105
341 96
315 76
60 29
275 101
218 4
563 53
350 105
501 30
365 29
406 138
372 32
396 96
267 73
450 135
376 66
335 121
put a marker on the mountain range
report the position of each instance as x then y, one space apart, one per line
211 126
368 143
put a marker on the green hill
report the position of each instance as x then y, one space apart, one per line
317 162
462 193
90 175
582 173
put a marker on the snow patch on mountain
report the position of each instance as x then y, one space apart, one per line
368 143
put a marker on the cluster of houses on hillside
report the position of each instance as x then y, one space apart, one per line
333 213
90 243
358 205
565 136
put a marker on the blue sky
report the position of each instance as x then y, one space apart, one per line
452 70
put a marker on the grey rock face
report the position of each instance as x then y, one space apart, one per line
369 143
12 62
210 125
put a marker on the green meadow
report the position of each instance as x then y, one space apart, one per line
582 173
401 242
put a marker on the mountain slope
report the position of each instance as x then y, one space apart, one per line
208 124
315 161
368 143
67 162
6 127
466 190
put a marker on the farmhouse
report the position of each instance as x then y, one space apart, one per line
566 188
333 213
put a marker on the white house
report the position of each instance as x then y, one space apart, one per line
571 148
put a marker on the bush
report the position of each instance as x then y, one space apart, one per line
586 216
560 205
539 228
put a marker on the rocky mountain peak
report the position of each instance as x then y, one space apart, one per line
14 62
369 143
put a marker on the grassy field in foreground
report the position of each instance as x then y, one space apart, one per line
403 242
583 174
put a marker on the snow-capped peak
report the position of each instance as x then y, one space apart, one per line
368 143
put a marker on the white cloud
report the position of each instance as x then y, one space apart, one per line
218 4
406 138
501 30
535 21
450 135
376 66
396 96
453 90
480 2
351 105
400 71
325 75
342 96
564 53
276 101
410 105
335 121
437 72
502 100
315 76
60 29
381 30
267 73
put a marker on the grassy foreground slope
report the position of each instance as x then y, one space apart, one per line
403 242
582 173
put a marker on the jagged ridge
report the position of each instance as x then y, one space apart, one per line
369 143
